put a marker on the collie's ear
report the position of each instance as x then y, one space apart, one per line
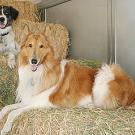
14 13
43 34
47 38
26 32
23 42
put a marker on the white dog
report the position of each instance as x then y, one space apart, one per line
8 45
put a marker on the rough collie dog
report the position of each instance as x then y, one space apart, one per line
8 44
48 82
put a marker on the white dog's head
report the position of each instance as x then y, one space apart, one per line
7 15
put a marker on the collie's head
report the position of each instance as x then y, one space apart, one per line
36 50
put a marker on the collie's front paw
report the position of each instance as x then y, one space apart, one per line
4 132
7 126
6 129
11 63
1 125
1 116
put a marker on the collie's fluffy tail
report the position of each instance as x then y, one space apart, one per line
113 88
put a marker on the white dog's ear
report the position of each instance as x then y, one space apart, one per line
14 13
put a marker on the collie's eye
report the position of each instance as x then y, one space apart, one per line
41 46
30 45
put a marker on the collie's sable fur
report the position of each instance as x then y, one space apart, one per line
48 82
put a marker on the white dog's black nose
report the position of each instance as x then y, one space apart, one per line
2 19
34 61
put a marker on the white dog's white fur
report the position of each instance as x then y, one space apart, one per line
9 46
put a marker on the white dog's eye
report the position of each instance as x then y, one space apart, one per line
6 13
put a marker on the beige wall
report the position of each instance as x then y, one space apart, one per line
87 23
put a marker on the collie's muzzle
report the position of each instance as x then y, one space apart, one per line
34 64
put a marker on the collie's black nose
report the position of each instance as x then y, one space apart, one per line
2 19
34 61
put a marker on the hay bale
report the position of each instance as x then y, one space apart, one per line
27 10
8 80
79 121
87 63
56 33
